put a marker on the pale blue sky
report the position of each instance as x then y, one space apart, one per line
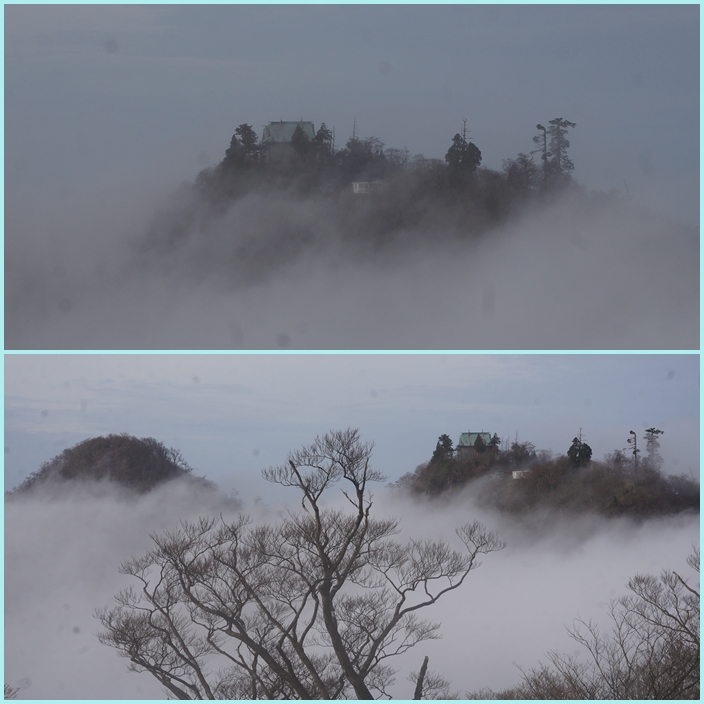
232 415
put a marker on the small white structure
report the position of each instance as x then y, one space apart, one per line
366 187
362 186
520 473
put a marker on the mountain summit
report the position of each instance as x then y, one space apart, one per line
139 464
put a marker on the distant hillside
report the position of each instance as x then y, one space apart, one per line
139 464
519 479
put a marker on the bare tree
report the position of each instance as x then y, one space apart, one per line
11 692
652 652
311 607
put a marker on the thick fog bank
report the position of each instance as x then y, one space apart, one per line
63 546
555 568
281 272
62 554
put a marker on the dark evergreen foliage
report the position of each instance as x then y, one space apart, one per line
444 449
559 144
522 175
484 195
552 146
300 142
479 445
652 447
580 453
463 159
248 140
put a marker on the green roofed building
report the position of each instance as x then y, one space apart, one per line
276 140
466 447
279 132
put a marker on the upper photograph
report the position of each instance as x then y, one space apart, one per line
390 177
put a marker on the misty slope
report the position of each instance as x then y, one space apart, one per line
285 271
510 611
136 464
63 549
608 488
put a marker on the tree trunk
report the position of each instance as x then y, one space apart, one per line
421 678
357 682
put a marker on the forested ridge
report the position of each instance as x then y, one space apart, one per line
315 163
517 478
138 464
407 196
511 476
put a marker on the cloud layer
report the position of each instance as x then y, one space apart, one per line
284 272
62 554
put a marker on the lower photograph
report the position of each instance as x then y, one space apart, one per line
352 526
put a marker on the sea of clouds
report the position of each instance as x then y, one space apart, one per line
280 271
62 552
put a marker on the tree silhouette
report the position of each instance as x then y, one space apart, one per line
633 442
444 450
248 139
311 607
463 158
137 463
652 652
580 453
553 146
652 447
542 141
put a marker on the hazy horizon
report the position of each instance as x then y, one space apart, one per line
231 415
